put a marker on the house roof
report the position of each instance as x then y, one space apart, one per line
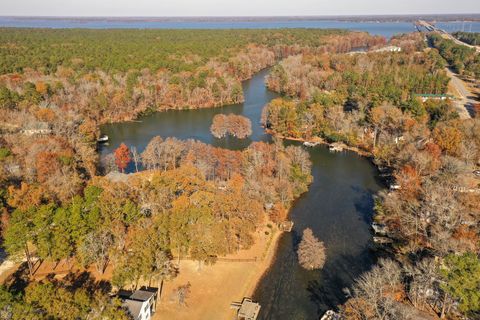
142 295
432 95
134 301
134 307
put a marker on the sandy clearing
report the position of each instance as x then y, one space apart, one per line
214 287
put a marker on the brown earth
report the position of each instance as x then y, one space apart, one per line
214 288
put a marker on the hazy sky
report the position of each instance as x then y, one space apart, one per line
232 7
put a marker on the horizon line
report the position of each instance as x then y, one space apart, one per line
243 16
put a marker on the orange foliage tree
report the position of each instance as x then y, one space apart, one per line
409 178
122 157
448 138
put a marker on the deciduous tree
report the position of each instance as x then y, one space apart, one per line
311 251
122 157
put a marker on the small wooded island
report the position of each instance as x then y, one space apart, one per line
231 124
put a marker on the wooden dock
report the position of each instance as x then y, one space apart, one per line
247 309
285 226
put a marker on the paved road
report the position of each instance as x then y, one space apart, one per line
465 102
460 42
448 35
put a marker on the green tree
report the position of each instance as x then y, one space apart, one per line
415 107
31 94
19 233
8 99
462 281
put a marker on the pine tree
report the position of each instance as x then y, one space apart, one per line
462 281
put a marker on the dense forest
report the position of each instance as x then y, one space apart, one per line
337 97
114 75
472 38
429 219
60 300
464 60
113 51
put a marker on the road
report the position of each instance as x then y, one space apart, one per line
433 28
465 102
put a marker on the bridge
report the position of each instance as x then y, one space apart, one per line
432 28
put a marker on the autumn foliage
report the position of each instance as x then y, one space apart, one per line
231 124
311 251
122 157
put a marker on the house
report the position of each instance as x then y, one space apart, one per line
140 304
389 49
37 128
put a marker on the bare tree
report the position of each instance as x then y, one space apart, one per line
95 249
136 158
376 294
311 251
108 163
181 294
236 125
152 154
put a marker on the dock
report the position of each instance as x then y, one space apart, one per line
311 144
247 309
286 226
336 147
330 315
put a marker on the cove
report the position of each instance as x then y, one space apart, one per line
338 206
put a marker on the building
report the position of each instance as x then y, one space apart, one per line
389 49
431 96
140 304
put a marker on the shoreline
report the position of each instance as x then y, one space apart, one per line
319 140
265 264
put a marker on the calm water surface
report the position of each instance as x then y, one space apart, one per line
337 207
386 29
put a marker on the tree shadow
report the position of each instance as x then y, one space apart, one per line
18 281
336 280
84 279
363 203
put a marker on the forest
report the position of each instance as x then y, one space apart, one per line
190 202
116 75
429 218
59 202
472 38
463 60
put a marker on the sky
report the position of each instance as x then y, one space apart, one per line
163 8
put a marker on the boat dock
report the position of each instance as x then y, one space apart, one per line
247 309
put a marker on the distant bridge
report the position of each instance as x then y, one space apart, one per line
432 28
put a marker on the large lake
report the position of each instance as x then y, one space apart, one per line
386 29
337 207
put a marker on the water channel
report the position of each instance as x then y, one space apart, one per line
337 207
